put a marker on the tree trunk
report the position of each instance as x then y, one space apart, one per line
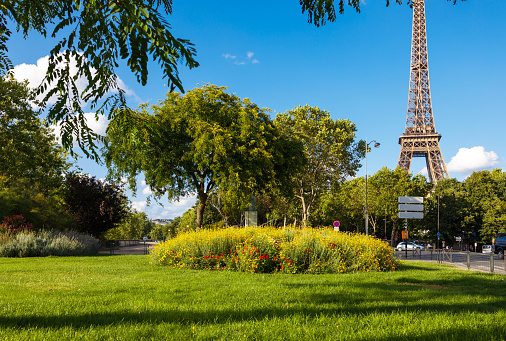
200 209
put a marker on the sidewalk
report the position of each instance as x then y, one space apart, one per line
140 249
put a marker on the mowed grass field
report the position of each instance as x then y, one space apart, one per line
126 298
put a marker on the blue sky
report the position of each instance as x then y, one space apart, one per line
356 68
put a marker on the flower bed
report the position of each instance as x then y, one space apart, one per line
269 250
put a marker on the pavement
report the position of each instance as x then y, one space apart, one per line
142 248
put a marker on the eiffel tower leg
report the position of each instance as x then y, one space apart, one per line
435 163
405 158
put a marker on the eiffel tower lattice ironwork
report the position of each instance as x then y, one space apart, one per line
420 138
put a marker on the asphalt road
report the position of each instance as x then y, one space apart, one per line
478 261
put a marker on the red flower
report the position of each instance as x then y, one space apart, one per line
207 256
230 251
282 267
290 261
308 250
222 254
218 257
333 245
172 251
212 256
267 256
275 258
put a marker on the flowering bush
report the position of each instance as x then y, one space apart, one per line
15 223
268 249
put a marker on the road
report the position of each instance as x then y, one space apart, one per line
478 261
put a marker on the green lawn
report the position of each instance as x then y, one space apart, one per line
126 298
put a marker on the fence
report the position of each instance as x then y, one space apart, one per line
463 259
114 244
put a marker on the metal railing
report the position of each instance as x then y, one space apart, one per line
464 259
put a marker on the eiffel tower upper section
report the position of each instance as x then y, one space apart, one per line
420 138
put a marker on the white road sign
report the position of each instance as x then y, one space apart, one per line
410 200
411 215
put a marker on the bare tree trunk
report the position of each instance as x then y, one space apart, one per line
201 208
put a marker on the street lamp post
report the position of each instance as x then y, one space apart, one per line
376 144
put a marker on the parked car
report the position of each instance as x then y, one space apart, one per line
411 246
487 249
500 245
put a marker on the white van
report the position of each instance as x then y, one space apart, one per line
487 249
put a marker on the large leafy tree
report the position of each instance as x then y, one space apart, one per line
199 141
28 149
330 148
387 186
485 193
97 206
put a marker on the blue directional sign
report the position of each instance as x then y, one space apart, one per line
438 235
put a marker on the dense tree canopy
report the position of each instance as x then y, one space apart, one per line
197 142
330 149
28 149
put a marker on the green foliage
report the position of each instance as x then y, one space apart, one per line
195 143
99 36
48 243
44 209
135 225
97 206
330 152
28 149
275 250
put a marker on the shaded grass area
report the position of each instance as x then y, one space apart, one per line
125 298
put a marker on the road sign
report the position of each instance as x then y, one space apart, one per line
336 223
438 235
412 207
411 215
410 200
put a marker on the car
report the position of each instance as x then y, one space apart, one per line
411 246
487 249
500 245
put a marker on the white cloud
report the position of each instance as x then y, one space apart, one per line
473 159
140 206
147 191
36 73
241 61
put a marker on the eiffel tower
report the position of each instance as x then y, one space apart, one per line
420 138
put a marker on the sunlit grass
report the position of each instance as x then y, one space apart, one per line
125 298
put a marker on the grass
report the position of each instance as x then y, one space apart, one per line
126 298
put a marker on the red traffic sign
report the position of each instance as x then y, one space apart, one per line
336 223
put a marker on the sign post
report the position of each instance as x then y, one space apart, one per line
410 208
336 225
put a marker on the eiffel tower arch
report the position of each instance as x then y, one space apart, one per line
420 138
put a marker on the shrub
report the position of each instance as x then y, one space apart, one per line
268 250
15 223
49 243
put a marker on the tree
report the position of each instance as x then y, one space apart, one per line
96 205
135 225
389 185
27 148
198 142
96 35
330 149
